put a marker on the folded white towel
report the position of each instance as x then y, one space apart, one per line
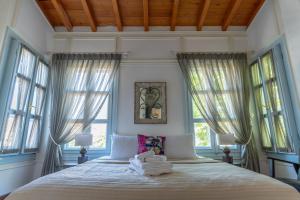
149 169
156 158
143 156
151 165
154 172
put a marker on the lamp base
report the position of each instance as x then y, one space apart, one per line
227 158
82 159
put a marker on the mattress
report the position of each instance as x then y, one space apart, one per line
105 179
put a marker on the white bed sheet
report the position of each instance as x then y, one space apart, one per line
105 179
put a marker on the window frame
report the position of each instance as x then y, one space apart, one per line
14 45
289 100
214 151
70 154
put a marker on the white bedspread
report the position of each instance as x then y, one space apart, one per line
109 180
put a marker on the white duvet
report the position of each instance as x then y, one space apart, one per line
198 179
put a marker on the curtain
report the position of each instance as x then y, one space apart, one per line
220 88
75 102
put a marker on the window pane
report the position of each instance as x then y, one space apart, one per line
103 114
26 64
32 134
37 101
275 103
76 99
256 79
20 94
224 105
99 135
202 135
100 81
79 80
267 66
196 112
11 138
265 131
281 134
260 100
42 74
77 127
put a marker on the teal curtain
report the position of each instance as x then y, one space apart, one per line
220 87
75 102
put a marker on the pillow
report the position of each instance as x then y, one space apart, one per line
123 147
180 147
155 143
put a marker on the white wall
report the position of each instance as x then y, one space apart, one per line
278 18
151 72
152 57
25 19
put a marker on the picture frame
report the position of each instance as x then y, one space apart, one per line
150 103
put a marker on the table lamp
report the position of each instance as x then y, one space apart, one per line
83 140
226 140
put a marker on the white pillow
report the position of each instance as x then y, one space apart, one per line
180 147
123 147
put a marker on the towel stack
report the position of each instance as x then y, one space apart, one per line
149 164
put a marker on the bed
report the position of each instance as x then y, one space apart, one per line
202 178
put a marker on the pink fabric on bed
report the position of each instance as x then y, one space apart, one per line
155 143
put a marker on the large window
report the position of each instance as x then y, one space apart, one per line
100 128
272 115
23 111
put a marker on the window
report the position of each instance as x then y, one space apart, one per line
23 114
268 94
204 137
100 128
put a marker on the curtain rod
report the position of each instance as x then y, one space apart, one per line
124 54
223 52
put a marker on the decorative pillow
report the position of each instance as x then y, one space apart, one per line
123 147
180 147
155 143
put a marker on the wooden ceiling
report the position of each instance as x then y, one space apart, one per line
171 13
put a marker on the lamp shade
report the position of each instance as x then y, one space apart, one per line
227 139
83 140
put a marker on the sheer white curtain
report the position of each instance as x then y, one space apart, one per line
72 108
225 112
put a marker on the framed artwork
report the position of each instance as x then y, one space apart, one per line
150 103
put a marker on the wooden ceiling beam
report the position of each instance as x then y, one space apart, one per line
62 14
174 14
203 14
89 15
146 14
231 13
258 6
117 15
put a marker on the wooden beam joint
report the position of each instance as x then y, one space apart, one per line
89 15
203 14
146 14
62 14
231 13
117 15
174 14
258 6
